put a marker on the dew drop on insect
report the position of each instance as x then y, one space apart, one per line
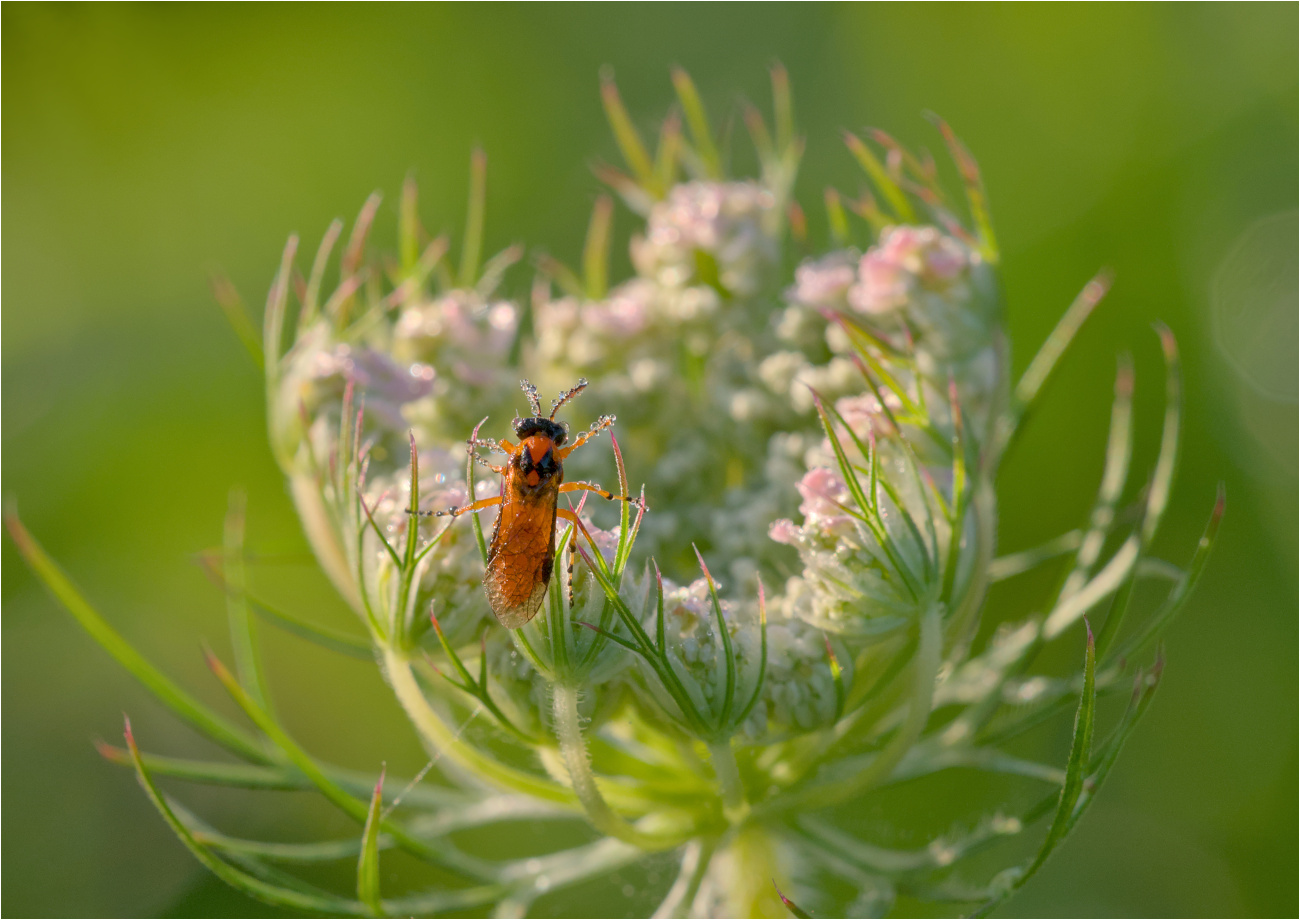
542 883
628 890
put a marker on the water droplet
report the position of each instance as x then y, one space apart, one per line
629 890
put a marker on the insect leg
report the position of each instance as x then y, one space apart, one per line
492 444
565 514
573 551
479 505
600 425
477 459
603 493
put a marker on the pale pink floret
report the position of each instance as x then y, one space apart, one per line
947 259
606 540
903 259
386 385
864 414
691 600
883 285
623 314
784 530
823 492
824 282
824 499
563 313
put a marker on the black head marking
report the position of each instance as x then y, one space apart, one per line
525 427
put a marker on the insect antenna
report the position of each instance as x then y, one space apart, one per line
531 392
566 395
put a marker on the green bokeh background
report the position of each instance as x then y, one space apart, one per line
145 146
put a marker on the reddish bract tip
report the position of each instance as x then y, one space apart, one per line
1098 286
1124 377
213 662
798 222
704 568
1167 341
608 89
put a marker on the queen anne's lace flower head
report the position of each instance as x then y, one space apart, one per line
825 435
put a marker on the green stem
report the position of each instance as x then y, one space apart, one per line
243 639
696 857
742 873
733 792
573 749
965 616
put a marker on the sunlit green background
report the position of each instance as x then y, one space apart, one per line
146 146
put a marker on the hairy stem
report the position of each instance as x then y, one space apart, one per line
573 749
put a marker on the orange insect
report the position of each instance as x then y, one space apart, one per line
522 553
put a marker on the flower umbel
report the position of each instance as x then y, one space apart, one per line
789 633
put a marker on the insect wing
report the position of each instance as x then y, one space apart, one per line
515 617
521 556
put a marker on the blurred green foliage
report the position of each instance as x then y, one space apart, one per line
145 146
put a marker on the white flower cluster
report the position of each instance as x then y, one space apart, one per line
715 370
798 693
718 233
467 338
